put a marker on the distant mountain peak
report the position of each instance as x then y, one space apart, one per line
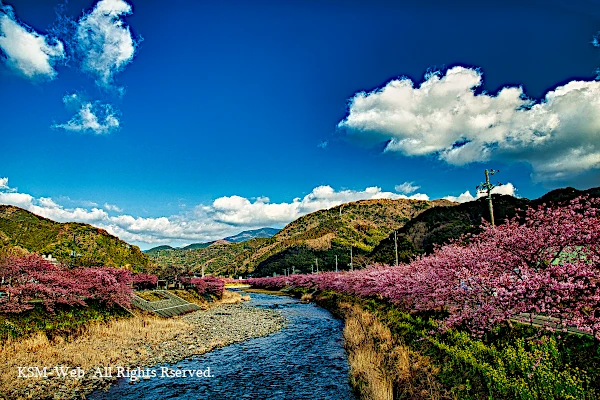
239 238
252 234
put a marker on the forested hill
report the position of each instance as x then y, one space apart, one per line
439 225
314 238
23 231
319 237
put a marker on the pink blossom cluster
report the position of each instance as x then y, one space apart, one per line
30 279
214 285
208 284
143 281
546 263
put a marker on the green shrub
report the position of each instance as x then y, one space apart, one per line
513 362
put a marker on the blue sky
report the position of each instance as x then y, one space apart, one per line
189 121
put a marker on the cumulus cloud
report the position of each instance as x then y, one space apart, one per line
239 211
508 189
558 136
16 199
90 117
10 196
25 51
407 188
104 42
225 216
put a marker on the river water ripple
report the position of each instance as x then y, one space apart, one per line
305 360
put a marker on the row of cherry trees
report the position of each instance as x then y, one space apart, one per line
209 284
25 280
546 263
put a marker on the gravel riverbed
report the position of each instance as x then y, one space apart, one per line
205 330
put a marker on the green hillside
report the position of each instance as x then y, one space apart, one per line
220 258
320 235
195 246
23 231
438 225
158 248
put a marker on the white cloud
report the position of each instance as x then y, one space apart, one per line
3 183
239 211
26 51
558 136
104 42
91 117
223 217
16 199
112 207
508 189
406 188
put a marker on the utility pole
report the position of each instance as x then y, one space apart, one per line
488 187
396 246
317 264
73 253
336 267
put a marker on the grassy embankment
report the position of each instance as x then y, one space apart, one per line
87 336
118 342
72 321
398 355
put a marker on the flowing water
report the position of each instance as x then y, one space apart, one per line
305 360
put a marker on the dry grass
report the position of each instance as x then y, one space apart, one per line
306 297
124 342
321 243
381 367
118 343
230 297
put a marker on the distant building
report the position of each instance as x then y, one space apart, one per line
50 258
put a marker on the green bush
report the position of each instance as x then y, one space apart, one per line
513 362
64 321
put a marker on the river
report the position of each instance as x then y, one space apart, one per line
305 360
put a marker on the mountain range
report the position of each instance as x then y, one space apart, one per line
240 237
316 238
351 235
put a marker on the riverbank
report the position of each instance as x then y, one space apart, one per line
140 341
395 354
382 367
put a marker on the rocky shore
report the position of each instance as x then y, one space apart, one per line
193 334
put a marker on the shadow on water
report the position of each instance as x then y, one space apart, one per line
305 360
